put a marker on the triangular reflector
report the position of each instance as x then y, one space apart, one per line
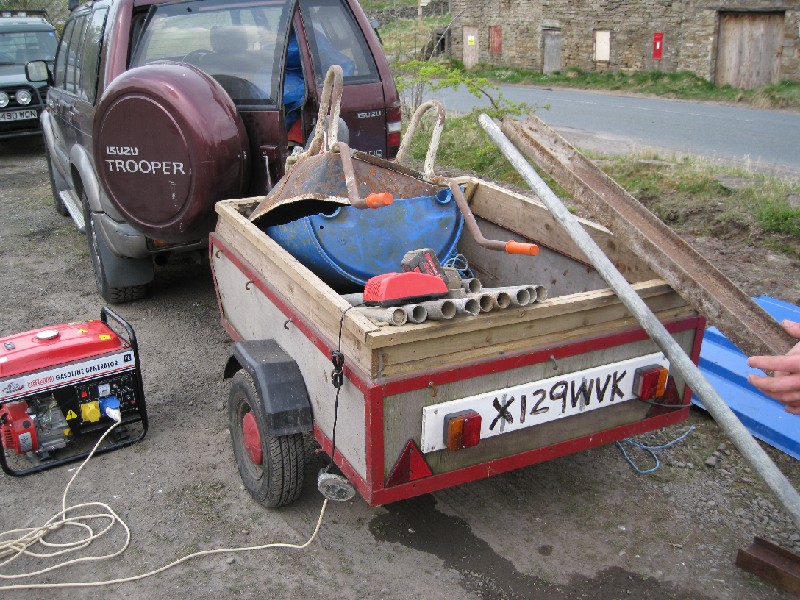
409 467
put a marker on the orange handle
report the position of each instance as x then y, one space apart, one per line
513 247
379 199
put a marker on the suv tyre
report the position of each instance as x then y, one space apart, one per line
61 208
100 255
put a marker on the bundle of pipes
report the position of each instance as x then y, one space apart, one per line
471 300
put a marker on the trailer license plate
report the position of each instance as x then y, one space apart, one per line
530 404
18 115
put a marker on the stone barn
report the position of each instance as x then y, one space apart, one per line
741 43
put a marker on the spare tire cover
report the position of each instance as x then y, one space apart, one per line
168 144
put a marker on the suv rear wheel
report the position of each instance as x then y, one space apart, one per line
100 254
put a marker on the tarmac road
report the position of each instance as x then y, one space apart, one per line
761 139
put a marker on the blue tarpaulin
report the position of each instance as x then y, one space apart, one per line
725 368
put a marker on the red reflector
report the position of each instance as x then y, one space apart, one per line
393 144
462 430
472 430
394 122
650 382
409 467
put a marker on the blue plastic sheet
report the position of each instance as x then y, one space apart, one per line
725 368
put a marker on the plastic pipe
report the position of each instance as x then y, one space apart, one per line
723 415
534 293
392 315
520 295
415 313
500 298
439 310
485 301
354 299
467 306
472 285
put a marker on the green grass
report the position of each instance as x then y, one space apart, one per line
686 193
375 5
683 84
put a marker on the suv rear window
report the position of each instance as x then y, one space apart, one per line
241 45
335 38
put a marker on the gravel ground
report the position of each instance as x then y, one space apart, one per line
583 526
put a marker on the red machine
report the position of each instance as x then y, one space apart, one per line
63 386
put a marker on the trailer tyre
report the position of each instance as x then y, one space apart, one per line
271 467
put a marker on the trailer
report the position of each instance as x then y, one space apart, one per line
410 409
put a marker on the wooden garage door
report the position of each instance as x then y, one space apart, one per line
552 51
749 49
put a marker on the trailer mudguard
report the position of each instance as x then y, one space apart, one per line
280 385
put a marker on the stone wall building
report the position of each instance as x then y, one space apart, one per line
743 43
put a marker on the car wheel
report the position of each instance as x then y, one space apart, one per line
114 295
61 208
271 467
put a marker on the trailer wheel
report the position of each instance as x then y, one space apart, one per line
271 467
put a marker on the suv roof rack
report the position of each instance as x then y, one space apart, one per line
23 13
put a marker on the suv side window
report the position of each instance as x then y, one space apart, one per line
90 55
335 38
74 61
74 56
61 58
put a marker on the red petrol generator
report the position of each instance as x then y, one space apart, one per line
60 387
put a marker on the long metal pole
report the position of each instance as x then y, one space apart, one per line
721 412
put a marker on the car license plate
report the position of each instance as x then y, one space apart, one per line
530 404
18 115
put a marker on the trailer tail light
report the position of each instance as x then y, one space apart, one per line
462 430
409 467
650 382
394 125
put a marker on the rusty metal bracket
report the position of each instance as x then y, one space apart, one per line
687 272
772 563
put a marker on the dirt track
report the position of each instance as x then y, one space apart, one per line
584 526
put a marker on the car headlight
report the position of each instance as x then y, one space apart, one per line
3 99
23 97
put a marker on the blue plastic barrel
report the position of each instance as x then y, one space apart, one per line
349 246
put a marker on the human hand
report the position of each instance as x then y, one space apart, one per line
784 385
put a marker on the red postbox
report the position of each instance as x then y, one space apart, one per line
658 45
